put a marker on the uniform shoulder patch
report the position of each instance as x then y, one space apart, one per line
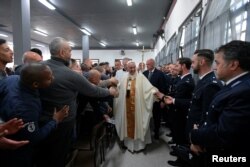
31 126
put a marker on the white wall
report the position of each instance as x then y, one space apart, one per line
180 12
111 55
103 55
45 51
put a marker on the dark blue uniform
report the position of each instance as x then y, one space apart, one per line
2 74
203 95
228 124
182 95
172 85
169 108
19 101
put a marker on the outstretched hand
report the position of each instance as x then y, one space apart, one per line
59 115
11 127
114 91
6 143
113 81
159 95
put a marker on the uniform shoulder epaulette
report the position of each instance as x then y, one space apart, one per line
214 81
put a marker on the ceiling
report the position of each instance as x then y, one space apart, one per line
109 21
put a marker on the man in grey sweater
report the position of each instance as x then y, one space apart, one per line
63 91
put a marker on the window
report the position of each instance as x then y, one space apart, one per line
236 4
190 34
229 23
239 20
182 42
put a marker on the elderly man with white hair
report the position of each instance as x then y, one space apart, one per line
133 109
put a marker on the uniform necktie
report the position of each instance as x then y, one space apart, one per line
150 75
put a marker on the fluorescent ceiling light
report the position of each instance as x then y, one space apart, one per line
47 4
129 2
41 32
37 44
101 43
72 44
85 31
134 30
3 35
137 43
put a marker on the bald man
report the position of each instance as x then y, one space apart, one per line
28 57
100 105
158 80
94 77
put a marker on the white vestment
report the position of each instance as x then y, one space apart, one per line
119 74
144 98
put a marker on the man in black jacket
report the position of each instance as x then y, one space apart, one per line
180 101
203 93
224 134
205 89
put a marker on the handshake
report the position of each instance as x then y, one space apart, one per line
163 98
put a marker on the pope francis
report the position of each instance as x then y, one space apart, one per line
133 109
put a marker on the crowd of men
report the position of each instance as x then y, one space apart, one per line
207 116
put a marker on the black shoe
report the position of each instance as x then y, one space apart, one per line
122 146
176 163
173 153
173 147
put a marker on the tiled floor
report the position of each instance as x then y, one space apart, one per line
156 155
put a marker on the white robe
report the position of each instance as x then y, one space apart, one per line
119 74
144 98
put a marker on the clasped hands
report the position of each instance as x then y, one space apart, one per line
163 98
